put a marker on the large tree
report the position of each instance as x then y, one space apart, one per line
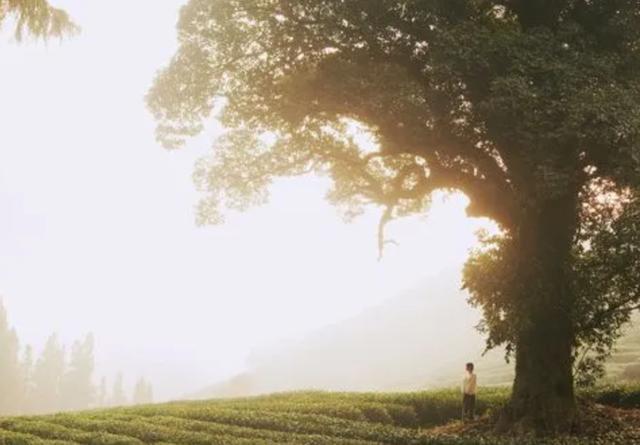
36 18
522 105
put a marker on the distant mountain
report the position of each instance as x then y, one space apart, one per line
421 338
417 340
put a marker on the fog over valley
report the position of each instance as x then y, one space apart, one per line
98 233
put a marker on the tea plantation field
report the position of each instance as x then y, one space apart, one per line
305 418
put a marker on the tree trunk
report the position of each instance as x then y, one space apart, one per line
543 393
543 396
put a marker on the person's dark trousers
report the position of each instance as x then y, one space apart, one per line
468 406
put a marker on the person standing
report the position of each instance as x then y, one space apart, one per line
469 386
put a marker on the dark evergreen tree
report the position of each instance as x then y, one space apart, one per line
11 377
102 397
142 392
77 390
27 379
118 396
47 377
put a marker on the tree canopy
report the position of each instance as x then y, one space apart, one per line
36 18
477 103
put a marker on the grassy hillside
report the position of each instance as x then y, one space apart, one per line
417 340
625 362
308 418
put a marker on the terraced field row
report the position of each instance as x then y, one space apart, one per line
309 418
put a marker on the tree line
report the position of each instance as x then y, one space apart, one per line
57 379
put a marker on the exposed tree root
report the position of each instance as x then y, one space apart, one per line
612 425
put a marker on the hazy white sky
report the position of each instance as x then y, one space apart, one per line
97 225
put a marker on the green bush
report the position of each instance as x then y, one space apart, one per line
48 430
404 416
13 438
377 413
627 397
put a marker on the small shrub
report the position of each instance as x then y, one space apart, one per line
377 414
404 416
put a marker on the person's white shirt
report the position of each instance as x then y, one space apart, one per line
469 384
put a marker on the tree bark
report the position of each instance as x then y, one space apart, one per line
533 13
543 397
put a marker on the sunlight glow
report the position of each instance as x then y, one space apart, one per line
97 220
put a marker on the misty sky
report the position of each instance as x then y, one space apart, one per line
97 229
